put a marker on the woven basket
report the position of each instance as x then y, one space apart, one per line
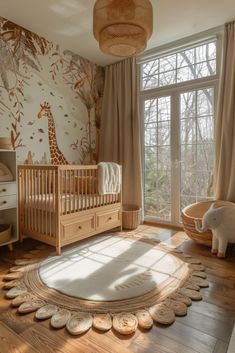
130 216
196 211
5 233
5 143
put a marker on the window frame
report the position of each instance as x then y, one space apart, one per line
174 91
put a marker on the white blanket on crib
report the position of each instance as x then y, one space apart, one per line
109 178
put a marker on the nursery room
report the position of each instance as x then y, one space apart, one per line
117 176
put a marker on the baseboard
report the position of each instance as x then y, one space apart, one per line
163 225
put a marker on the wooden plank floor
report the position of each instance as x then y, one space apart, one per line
206 329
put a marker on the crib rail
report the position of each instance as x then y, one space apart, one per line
79 187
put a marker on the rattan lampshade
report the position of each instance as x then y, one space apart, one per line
122 27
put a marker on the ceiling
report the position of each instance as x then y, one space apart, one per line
69 22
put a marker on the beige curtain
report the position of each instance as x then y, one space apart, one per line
224 181
120 127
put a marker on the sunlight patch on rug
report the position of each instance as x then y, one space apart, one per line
111 268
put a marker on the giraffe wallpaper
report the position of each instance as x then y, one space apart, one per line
50 99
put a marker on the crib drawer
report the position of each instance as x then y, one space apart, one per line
78 227
7 189
8 201
108 219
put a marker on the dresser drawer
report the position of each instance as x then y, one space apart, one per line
7 189
108 219
78 227
8 201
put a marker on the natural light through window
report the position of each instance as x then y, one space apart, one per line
178 95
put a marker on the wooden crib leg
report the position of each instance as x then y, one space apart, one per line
10 247
20 237
58 250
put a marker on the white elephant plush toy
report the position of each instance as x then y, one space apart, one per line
221 220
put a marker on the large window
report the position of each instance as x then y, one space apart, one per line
178 94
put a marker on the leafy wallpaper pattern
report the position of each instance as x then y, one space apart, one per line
36 73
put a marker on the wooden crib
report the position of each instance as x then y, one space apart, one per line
60 205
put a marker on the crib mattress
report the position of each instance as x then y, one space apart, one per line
68 202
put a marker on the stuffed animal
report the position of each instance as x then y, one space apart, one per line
221 220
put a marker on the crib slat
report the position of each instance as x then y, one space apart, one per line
57 237
44 200
82 189
32 199
50 198
65 195
47 199
92 188
70 185
28 193
74 194
86 189
53 202
78 191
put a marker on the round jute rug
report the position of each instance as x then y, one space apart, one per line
107 281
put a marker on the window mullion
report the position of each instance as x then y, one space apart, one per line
175 158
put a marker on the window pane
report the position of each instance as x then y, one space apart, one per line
205 129
187 200
163 133
205 102
188 183
188 131
204 184
157 175
188 157
150 82
167 78
150 158
164 109
207 68
197 145
185 65
150 111
205 157
167 63
186 58
188 105
206 52
150 68
186 73
164 158
151 134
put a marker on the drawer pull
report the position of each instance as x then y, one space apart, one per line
80 227
3 190
4 202
110 218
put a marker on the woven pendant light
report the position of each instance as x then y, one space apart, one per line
122 27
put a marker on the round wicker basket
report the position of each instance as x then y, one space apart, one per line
196 211
130 216
5 233
5 143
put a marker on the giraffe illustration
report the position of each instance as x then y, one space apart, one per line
57 156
